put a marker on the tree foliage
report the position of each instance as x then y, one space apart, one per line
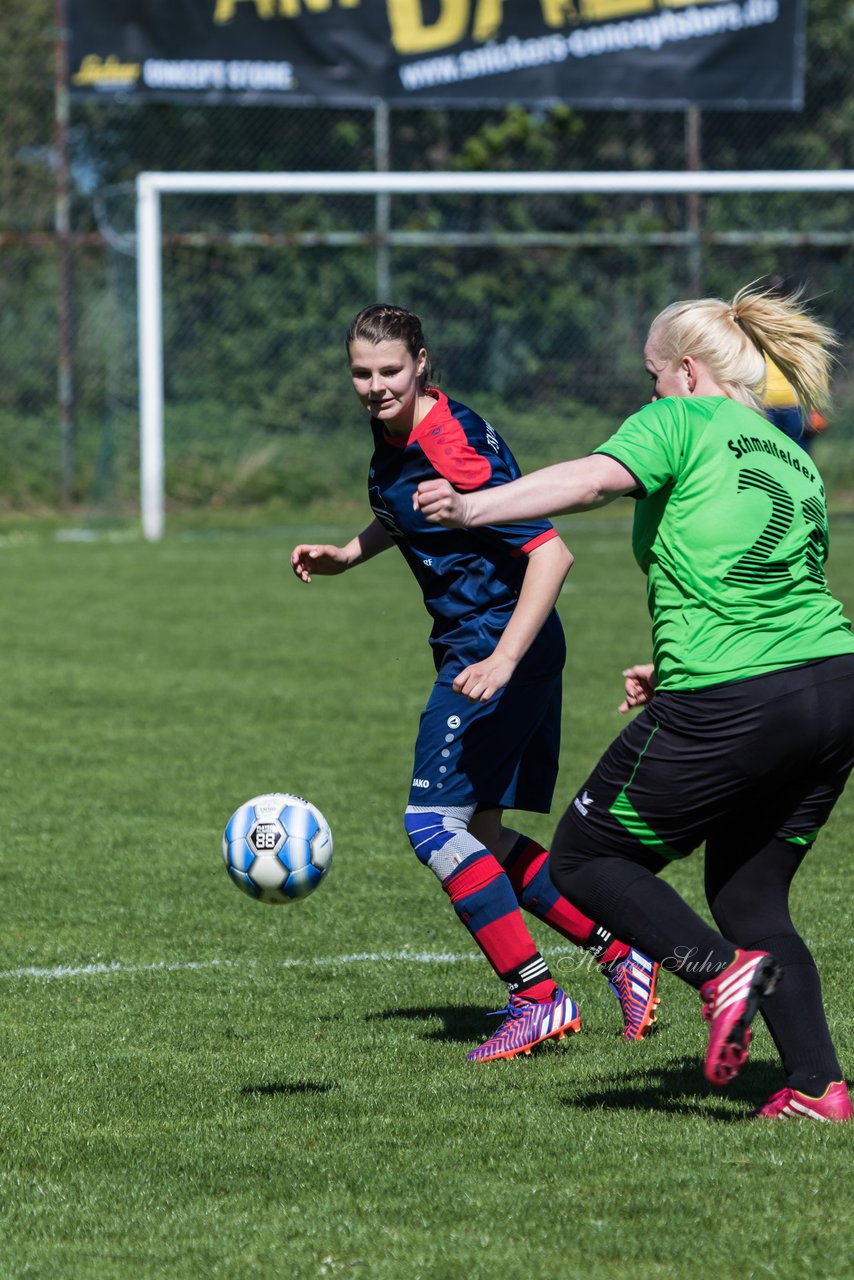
253 353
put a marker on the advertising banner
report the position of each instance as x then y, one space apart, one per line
655 54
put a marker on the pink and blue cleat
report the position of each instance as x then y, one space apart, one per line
632 981
527 1024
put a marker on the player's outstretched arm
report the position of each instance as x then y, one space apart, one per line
325 559
548 565
565 487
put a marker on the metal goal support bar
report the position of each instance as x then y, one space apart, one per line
151 186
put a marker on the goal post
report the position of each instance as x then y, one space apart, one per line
152 187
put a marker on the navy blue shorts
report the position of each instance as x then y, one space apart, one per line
735 764
501 754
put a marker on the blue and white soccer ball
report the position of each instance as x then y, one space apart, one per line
277 847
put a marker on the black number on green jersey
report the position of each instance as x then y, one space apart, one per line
815 515
756 564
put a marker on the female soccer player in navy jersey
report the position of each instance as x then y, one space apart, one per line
498 642
746 737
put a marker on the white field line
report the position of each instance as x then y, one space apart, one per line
102 969
98 970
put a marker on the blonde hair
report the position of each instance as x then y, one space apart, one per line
733 338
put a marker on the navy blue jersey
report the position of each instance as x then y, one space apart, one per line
470 578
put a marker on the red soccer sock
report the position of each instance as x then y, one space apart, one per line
484 900
526 868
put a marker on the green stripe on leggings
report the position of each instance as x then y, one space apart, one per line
627 815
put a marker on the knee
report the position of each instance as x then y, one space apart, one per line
746 922
425 829
568 880
789 948
737 931
565 857
748 890
777 935
440 837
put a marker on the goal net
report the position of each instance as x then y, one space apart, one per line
536 290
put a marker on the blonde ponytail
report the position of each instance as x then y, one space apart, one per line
800 346
733 338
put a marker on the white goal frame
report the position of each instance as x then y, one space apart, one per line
151 187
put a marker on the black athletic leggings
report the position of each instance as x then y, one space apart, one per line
801 725
750 904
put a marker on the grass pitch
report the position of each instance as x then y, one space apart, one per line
199 1086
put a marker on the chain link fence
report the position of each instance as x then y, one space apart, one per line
536 307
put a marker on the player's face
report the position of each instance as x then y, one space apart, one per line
668 379
385 377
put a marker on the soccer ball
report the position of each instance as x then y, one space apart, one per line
277 847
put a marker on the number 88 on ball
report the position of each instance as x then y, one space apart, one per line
277 847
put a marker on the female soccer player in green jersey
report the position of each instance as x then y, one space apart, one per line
746 736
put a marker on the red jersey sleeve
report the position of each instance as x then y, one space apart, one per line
448 450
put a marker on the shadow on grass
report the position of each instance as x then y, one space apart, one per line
461 1024
288 1088
683 1090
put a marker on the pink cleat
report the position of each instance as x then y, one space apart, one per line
732 1000
834 1105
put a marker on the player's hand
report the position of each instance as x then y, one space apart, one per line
440 503
482 679
322 558
640 686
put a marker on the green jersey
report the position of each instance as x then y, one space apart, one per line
731 530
